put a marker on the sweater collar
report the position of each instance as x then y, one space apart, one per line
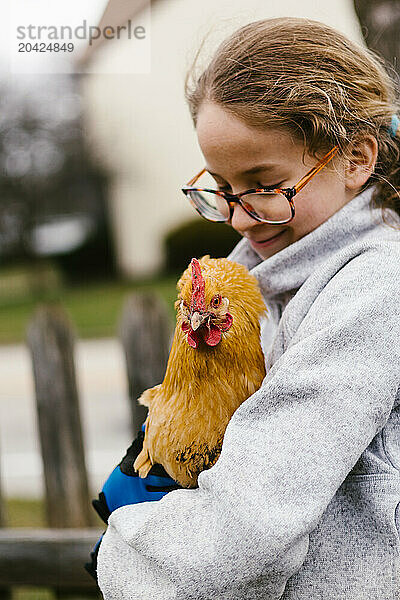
288 269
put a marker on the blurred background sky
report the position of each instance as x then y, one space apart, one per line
92 158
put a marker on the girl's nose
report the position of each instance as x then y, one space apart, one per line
241 221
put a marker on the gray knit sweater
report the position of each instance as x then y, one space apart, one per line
304 501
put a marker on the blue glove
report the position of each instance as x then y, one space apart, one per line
124 486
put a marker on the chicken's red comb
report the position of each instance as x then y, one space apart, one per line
198 287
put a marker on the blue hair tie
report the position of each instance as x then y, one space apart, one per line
394 125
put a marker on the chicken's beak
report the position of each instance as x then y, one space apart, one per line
197 319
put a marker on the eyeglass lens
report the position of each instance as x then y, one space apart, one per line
267 206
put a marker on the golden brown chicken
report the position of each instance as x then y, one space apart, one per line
215 363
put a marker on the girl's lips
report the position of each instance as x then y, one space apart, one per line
265 243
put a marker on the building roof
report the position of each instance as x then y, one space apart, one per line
117 12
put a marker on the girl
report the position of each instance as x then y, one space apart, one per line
298 126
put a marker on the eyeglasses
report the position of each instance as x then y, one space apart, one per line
266 205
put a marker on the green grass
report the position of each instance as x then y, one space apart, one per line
93 309
31 513
32 594
25 513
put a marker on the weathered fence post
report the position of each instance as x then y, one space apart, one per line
145 332
50 341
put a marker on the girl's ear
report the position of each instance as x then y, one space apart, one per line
362 162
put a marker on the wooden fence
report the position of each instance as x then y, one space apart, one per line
54 557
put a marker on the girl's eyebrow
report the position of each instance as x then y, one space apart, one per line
256 169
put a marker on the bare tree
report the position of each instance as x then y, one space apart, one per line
47 172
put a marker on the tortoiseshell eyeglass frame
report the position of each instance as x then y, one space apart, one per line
231 199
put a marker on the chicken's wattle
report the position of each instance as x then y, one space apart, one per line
210 333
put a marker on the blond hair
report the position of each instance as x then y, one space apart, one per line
306 77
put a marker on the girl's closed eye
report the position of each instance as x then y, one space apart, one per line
258 185
269 185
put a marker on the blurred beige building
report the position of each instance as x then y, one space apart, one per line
139 125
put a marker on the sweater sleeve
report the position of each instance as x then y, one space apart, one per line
245 531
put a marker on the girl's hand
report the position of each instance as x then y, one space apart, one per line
124 486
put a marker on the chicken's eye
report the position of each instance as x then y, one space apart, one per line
216 301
